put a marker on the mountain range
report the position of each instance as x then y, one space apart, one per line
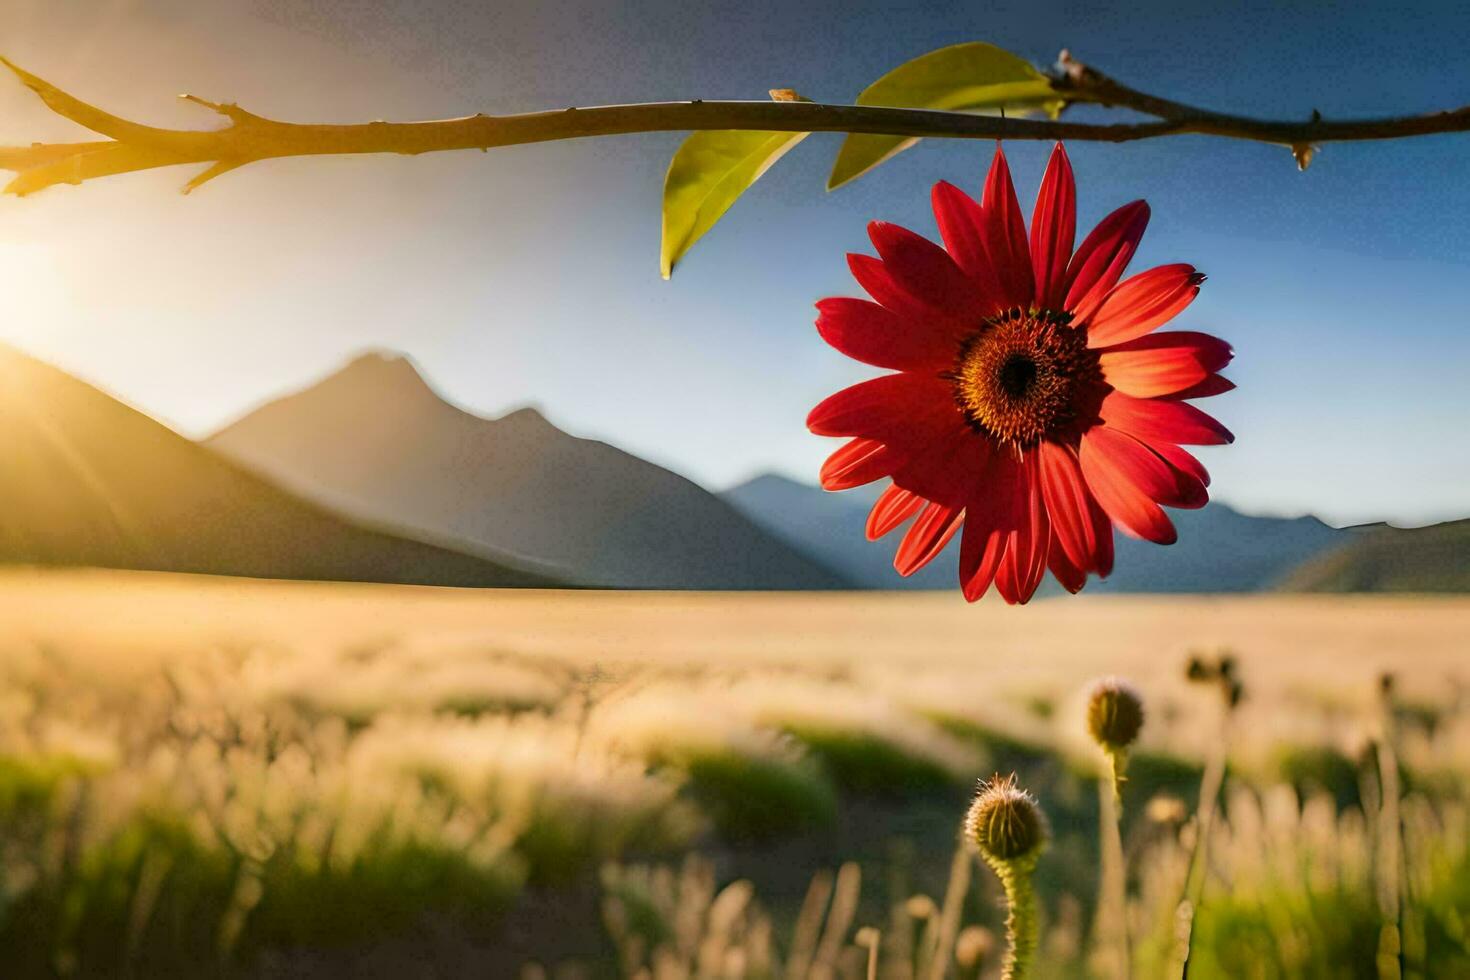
1379 558
371 475
376 442
86 480
1219 549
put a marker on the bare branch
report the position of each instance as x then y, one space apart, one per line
106 160
18 158
249 137
1082 83
87 115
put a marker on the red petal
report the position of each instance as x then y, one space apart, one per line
869 333
1163 363
961 226
1182 460
927 538
948 467
988 520
1102 257
1069 575
1127 478
1152 420
1004 229
1142 303
879 282
894 506
1029 543
1067 499
1054 229
858 462
1040 530
925 271
879 408
1189 488
1102 532
1213 385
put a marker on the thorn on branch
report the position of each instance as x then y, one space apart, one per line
1072 73
787 95
213 171
227 109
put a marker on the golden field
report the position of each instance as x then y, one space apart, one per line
226 777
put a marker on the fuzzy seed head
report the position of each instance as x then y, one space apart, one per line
1005 822
1114 713
973 945
1167 810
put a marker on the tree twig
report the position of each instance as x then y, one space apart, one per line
248 137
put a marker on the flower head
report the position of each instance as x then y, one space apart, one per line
1032 405
1005 822
1114 713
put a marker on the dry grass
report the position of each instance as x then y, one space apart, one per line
217 771
1312 661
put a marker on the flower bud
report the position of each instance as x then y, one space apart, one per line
1167 810
1114 713
1197 671
973 946
921 907
1004 822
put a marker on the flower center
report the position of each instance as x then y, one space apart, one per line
1025 375
1017 375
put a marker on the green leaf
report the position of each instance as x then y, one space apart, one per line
973 77
710 170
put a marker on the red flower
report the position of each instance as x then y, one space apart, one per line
1033 403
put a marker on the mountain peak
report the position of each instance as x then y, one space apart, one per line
383 366
527 417
123 491
514 484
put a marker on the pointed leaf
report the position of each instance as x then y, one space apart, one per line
972 77
710 170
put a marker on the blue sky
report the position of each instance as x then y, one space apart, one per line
529 275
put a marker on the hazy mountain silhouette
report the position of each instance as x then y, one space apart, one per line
1380 558
86 480
376 441
829 527
1219 549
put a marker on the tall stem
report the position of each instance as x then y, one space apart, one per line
1390 851
949 919
1209 794
1023 923
1112 909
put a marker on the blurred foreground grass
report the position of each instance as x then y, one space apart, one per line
206 777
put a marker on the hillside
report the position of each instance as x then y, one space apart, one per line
377 442
86 480
1391 559
1220 550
